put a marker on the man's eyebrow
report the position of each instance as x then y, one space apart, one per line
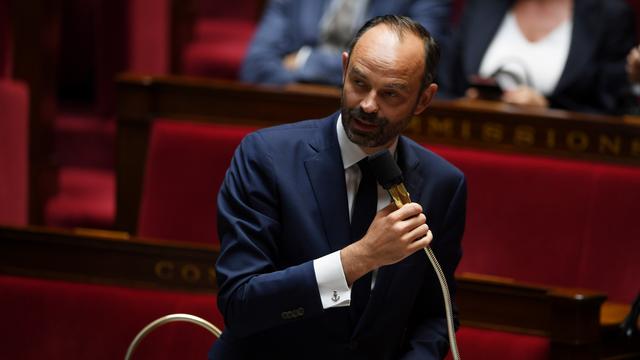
397 86
358 72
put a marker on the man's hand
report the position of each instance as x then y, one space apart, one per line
289 61
393 235
524 95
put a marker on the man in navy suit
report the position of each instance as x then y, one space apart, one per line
288 261
301 40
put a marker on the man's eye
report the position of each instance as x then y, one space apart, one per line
359 83
390 94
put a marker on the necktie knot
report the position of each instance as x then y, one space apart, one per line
365 168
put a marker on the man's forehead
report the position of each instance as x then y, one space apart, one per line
382 40
380 33
383 50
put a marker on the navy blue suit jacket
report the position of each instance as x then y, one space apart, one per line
287 25
283 204
594 75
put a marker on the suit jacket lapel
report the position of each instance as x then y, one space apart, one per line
326 174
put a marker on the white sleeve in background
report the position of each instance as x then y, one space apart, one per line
302 56
332 285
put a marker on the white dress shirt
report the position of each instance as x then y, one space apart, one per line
542 61
332 284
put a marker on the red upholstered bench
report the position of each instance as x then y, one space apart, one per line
186 163
218 48
221 35
546 221
64 320
551 221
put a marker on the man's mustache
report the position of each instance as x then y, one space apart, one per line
371 118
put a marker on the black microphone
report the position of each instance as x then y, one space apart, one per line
389 176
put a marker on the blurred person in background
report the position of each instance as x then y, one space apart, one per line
632 105
300 41
565 54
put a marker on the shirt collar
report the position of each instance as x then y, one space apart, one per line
352 153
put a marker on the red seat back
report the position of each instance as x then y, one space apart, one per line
14 149
186 164
67 320
551 221
149 34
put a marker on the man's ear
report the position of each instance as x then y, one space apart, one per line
425 98
345 63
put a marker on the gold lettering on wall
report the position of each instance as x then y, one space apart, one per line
562 140
524 135
164 270
609 145
190 273
439 127
577 141
492 132
551 138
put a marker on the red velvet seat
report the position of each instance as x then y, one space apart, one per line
488 344
218 48
548 221
186 163
64 320
14 149
85 198
551 221
149 36
222 33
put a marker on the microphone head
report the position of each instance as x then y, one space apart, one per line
385 169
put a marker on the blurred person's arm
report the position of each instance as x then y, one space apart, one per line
263 62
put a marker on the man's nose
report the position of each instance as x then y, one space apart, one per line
369 104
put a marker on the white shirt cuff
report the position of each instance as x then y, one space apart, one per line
334 291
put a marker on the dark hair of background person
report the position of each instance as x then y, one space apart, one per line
402 24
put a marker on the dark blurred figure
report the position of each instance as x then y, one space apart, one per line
301 40
565 54
632 105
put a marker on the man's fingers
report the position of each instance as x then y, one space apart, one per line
422 242
417 233
407 211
